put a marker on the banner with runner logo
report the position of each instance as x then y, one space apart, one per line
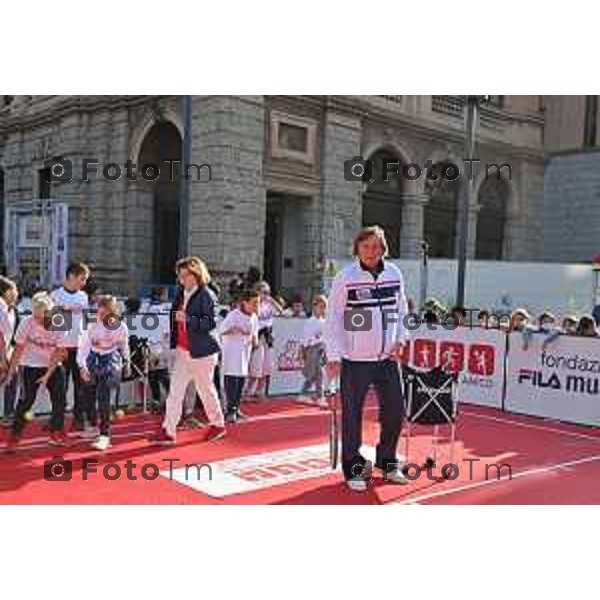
558 380
286 377
476 354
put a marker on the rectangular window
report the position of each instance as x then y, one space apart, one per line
591 118
44 184
293 137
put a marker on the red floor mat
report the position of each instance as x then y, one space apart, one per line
550 462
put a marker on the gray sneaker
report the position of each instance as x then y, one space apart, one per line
395 476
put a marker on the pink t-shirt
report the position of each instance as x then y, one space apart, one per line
39 343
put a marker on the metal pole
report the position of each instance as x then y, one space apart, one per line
424 274
466 194
185 183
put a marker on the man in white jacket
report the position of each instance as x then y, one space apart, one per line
364 337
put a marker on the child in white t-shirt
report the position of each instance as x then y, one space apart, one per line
261 359
73 301
239 334
103 354
313 351
40 350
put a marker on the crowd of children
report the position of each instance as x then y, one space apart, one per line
51 347
72 339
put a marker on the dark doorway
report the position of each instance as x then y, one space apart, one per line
491 220
273 245
440 217
382 200
163 143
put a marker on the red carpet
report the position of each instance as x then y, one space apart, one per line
552 463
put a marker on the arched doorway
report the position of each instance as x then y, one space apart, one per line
440 215
491 219
382 200
163 143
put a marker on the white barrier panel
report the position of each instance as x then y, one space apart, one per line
287 365
561 381
476 354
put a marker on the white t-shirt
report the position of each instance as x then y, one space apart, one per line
266 312
160 349
8 320
236 348
39 343
76 303
101 340
313 331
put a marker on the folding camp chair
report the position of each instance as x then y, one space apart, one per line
430 399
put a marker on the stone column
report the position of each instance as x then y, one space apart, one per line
411 233
472 231
227 214
342 200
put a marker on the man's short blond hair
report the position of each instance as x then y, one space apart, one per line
367 232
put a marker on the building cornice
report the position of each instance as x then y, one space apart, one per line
49 112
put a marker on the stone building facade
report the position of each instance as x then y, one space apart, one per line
277 196
572 179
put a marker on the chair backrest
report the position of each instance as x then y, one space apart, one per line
429 395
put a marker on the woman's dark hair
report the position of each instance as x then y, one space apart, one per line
132 305
247 295
77 269
5 285
253 276
585 323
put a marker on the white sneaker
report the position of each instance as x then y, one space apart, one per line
357 484
396 476
102 443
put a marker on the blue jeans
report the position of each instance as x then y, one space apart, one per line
105 375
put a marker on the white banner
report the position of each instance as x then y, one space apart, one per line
60 242
560 381
287 376
476 354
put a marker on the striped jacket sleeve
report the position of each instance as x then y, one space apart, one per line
403 333
333 331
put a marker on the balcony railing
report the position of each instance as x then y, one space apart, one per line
394 99
447 105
